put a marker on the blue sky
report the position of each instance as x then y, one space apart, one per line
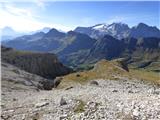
24 16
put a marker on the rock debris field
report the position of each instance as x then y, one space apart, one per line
121 99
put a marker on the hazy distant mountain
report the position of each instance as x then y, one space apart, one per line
53 41
45 30
119 30
37 42
8 33
24 42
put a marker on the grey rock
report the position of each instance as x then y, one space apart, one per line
115 91
47 85
41 104
63 102
93 82
130 91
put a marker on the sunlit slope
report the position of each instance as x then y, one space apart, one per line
112 70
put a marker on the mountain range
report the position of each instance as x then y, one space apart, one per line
140 45
120 30
108 76
8 33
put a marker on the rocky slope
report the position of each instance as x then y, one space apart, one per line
78 45
106 48
104 98
121 100
13 79
43 64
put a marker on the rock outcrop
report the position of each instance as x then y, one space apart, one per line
43 64
14 78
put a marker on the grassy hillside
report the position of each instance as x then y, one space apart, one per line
113 70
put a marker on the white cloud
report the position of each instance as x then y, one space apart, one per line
18 11
18 18
22 19
40 3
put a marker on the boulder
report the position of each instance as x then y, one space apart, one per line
115 91
93 82
63 101
47 85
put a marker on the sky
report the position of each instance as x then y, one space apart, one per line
65 16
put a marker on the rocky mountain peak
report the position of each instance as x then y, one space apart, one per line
141 26
55 33
119 25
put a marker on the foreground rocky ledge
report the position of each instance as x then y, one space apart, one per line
109 99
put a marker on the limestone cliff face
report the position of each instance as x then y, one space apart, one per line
43 64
